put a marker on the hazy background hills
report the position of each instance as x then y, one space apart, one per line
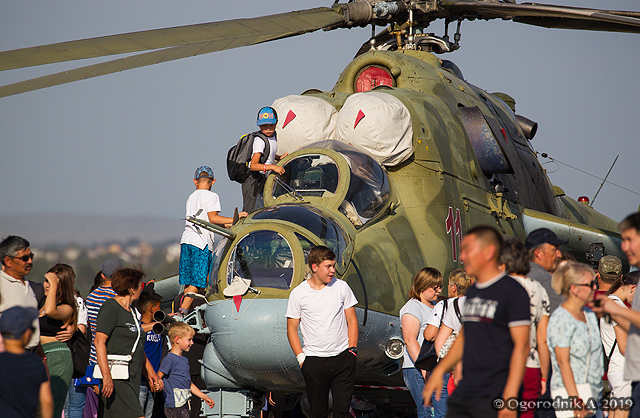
84 241
59 229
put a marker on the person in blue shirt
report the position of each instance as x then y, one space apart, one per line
148 304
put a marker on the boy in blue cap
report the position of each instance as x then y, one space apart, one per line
263 157
196 244
24 383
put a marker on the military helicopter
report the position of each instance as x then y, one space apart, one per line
404 155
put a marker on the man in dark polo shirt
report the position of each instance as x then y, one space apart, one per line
493 343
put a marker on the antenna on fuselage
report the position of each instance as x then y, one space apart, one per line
604 180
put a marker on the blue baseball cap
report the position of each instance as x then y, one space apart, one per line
203 172
17 320
541 236
266 116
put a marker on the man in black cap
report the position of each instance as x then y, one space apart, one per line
543 249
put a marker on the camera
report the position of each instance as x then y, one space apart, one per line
595 253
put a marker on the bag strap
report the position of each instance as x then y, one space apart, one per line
613 347
457 309
135 319
445 304
267 146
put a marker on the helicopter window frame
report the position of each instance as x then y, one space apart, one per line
233 270
325 164
304 217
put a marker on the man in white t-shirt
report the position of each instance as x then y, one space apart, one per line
262 161
324 309
196 245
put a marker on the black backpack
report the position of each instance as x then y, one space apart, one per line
240 154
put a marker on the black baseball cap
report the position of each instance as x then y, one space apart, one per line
541 236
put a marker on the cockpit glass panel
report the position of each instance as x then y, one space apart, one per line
368 188
313 219
264 257
309 175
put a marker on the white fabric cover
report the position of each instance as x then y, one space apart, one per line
303 120
378 123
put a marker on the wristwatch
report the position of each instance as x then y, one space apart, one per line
354 350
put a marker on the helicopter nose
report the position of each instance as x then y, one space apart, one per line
251 344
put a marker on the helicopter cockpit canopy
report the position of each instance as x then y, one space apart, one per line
335 175
269 257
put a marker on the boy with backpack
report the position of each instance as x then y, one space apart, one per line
253 158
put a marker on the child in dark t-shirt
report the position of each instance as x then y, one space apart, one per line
24 383
174 371
148 303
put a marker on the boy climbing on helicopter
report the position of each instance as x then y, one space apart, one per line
263 156
196 245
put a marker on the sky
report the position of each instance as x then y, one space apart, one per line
128 143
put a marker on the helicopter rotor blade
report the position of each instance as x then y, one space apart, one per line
237 32
219 36
549 16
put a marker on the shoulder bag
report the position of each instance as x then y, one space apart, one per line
428 358
119 363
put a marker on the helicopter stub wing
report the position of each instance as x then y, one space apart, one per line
546 15
167 44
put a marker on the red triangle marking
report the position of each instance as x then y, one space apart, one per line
358 118
290 116
237 300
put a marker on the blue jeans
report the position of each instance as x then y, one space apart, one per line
415 382
440 407
147 399
74 407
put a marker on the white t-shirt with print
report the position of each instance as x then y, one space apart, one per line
208 201
322 319
539 306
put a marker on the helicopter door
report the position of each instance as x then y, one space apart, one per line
484 140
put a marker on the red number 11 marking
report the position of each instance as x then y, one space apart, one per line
454 228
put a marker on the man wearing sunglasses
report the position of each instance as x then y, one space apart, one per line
17 260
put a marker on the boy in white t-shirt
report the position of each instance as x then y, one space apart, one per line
324 308
196 245
262 161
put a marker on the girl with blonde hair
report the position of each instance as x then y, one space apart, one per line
574 341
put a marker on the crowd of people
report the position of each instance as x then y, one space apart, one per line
523 329
526 329
44 372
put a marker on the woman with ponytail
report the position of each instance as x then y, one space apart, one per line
58 310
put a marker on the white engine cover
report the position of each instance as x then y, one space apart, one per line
378 123
303 120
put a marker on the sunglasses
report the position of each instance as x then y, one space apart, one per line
592 284
25 258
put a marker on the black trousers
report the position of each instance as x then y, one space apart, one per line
459 406
337 373
251 189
